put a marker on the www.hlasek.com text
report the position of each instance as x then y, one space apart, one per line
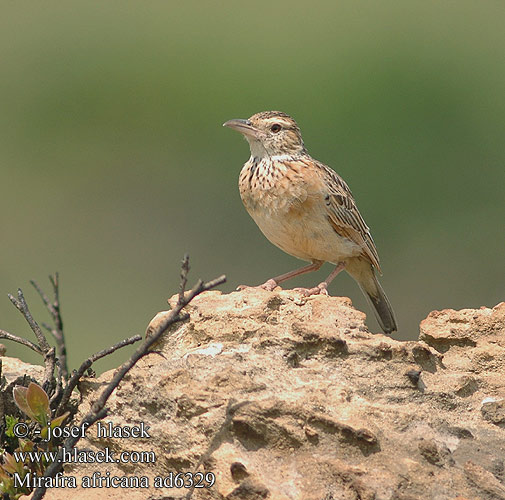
85 456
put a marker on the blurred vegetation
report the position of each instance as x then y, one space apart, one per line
113 161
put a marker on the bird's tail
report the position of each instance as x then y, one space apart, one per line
363 272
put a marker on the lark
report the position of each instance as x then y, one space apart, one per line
306 209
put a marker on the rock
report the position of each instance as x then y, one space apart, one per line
285 397
494 411
238 471
16 372
484 480
434 453
249 490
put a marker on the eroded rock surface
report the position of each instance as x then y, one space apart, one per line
283 397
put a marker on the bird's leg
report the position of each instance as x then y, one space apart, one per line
274 282
322 288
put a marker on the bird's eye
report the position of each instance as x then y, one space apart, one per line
275 128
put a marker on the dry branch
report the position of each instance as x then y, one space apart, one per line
20 340
98 410
55 312
77 375
59 397
22 307
45 349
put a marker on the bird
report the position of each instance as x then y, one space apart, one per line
307 210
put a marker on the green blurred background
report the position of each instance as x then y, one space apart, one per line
114 162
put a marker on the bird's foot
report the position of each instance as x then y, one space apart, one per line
320 289
269 285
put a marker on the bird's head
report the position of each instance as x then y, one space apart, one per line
270 133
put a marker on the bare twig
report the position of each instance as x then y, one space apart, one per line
49 363
20 340
98 410
55 312
184 278
22 307
172 317
77 375
46 350
59 386
68 446
105 352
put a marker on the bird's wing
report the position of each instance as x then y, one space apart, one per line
343 214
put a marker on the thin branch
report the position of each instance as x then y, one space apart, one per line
55 312
59 387
49 363
105 352
68 446
172 317
184 278
43 296
20 340
77 375
58 321
47 351
98 410
22 307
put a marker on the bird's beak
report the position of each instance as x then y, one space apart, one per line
243 126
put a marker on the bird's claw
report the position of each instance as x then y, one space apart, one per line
269 285
320 289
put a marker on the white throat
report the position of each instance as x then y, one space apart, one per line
257 149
